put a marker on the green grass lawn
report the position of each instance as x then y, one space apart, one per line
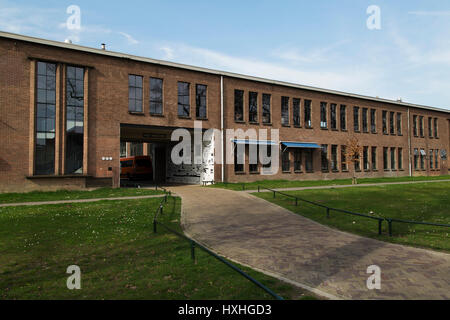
74 195
420 202
119 255
314 183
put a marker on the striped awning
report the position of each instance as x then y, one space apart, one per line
304 145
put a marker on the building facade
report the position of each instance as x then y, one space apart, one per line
68 113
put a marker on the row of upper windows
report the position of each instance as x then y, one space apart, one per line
135 97
419 127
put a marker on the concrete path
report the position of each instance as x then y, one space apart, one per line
38 203
348 185
268 238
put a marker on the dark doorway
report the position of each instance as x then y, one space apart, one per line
160 165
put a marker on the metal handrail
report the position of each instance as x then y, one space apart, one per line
194 244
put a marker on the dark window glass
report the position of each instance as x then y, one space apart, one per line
136 149
385 158
421 126
266 108
296 111
297 160
253 107
365 125
74 120
334 162
184 105
422 159
156 96
392 158
416 159
253 167
366 158
285 161
333 119
323 115
308 122
436 159
285 111
309 160
399 123
373 120
123 149
324 157
357 163
200 101
134 93
238 160
436 128
44 160
238 105
431 158
430 127
385 130
415 126
343 114
391 123
343 158
356 119
374 158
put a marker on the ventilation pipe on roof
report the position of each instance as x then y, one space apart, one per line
103 46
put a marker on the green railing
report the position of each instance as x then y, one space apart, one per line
194 244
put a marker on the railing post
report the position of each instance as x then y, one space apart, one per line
193 250
379 226
296 201
161 208
274 194
390 227
328 213
154 225
156 187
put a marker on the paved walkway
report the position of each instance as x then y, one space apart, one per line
348 185
38 203
266 237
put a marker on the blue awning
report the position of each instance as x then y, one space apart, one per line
253 142
305 145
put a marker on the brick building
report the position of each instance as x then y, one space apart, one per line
69 112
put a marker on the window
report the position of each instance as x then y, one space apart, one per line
309 160
74 120
415 125
285 161
374 158
308 122
393 159
296 112
391 123
366 158
44 157
266 108
200 101
136 149
333 119
416 159
436 128
399 123
253 167
385 158
343 116
285 111
365 125
123 149
238 160
156 96
384 119
430 127
238 105
422 159
421 126
184 105
357 163
134 93
334 162
297 160
436 159
343 158
400 158
356 119
431 159
253 107
324 157
323 115
373 121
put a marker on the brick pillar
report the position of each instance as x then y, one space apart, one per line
32 134
86 122
58 117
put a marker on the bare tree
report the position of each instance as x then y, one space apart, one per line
353 152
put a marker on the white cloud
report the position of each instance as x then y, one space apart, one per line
129 38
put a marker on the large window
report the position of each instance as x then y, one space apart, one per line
266 108
200 101
308 160
436 159
284 111
323 115
296 111
400 158
184 105
156 96
324 157
399 123
384 120
436 135
374 158
134 93
385 158
308 122
344 166
343 117
415 126
356 119
136 149
253 107
285 164
74 120
238 105
430 127
253 167
373 120
416 159
391 123
366 158
393 158
297 160
421 126
238 160
334 161
333 116
365 120
422 159
44 160
431 158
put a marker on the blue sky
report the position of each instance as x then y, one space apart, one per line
322 43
